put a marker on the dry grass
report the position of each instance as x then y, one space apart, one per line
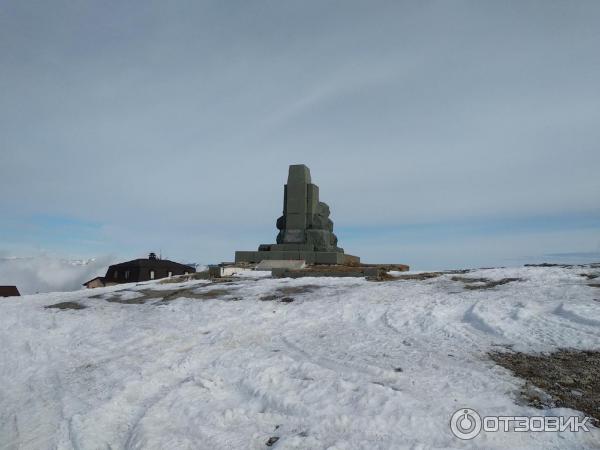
149 295
291 290
283 294
425 275
267 298
213 293
470 283
417 276
67 305
568 377
471 279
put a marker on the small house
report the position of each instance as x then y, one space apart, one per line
96 282
9 291
145 269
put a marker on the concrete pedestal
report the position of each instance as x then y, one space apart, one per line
311 257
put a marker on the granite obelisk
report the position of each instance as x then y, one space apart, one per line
305 229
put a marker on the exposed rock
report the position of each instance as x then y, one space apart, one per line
67 305
483 283
272 441
566 378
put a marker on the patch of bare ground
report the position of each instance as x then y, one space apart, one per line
589 276
416 276
566 378
210 294
131 301
278 298
596 285
483 283
284 294
291 290
67 305
471 279
564 266
163 296
425 275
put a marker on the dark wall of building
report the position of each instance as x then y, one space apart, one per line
9 291
140 270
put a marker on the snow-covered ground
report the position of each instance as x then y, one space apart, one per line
349 364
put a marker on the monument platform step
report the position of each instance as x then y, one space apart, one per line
309 256
286 264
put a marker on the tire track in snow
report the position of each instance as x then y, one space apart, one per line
431 343
477 321
271 402
574 317
358 373
147 405
545 326
386 322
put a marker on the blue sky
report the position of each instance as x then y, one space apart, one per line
461 243
441 134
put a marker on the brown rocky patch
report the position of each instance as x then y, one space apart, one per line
569 378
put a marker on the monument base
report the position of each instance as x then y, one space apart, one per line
311 257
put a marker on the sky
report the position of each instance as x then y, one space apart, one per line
442 134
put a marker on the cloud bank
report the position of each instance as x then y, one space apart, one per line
45 273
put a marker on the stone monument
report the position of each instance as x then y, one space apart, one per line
305 229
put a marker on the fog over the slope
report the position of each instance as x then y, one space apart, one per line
171 125
46 273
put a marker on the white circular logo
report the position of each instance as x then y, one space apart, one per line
465 423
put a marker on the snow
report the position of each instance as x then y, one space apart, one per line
319 373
